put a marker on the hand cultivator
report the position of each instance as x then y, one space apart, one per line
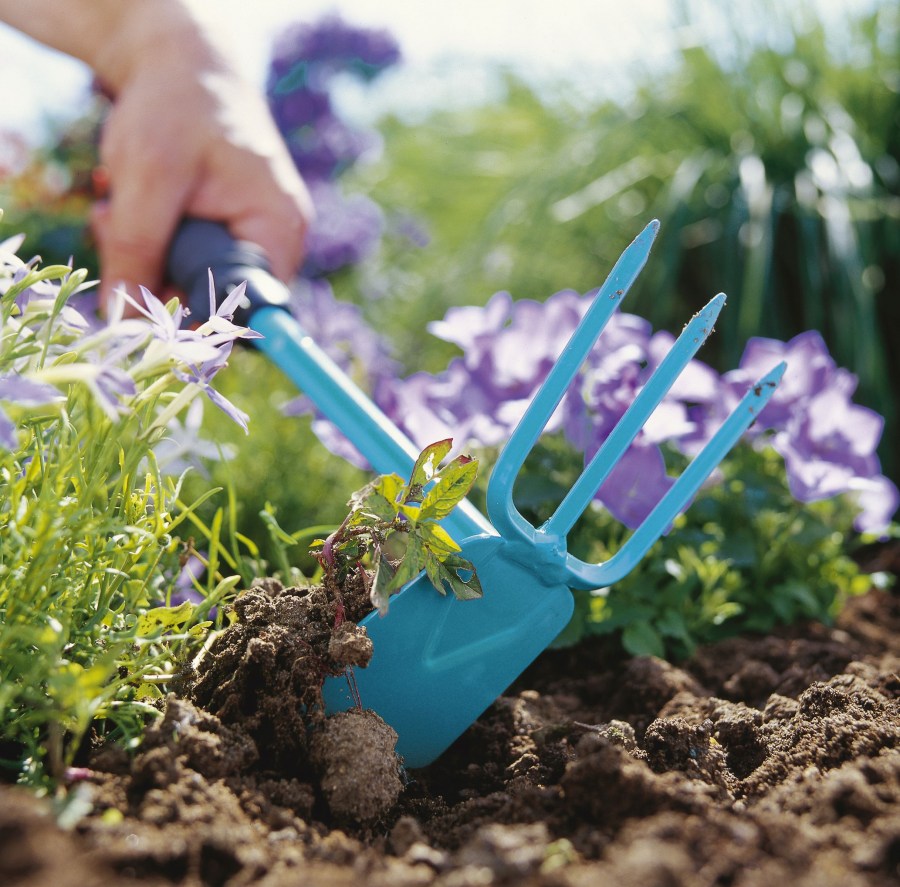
440 662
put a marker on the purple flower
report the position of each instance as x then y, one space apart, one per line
810 370
203 374
828 443
305 62
877 499
345 230
333 45
27 393
635 485
109 384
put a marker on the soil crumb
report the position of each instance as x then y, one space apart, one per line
760 760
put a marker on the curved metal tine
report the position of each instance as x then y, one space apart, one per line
582 575
655 389
501 510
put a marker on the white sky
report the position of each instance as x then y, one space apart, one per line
562 37
590 41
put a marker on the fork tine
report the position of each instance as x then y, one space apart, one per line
502 511
584 489
583 575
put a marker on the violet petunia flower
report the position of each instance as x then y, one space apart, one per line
828 442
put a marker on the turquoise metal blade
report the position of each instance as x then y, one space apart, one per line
440 662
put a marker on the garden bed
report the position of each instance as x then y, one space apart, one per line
759 760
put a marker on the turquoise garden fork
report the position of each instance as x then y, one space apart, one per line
439 662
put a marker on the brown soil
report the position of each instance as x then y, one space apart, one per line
759 761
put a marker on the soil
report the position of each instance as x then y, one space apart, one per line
760 760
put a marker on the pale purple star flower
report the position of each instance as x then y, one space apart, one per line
203 374
169 340
183 447
27 393
219 326
109 385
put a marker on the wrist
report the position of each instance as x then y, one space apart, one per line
148 32
117 37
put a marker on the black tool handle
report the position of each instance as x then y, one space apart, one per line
200 246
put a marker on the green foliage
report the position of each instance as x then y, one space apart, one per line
88 557
772 160
770 154
397 523
744 557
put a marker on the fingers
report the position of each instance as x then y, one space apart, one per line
214 153
281 234
134 226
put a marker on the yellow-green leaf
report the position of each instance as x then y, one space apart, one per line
438 539
452 486
427 464
164 617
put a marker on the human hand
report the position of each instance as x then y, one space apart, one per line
187 136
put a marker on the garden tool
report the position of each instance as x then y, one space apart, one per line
439 662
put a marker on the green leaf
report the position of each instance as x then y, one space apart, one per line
411 564
379 499
267 516
381 583
641 639
437 540
427 464
377 507
165 618
452 486
446 573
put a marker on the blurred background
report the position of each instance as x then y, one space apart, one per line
460 149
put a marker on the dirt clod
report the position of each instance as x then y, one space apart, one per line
360 772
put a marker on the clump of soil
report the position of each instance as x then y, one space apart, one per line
263 675
759 760
351 745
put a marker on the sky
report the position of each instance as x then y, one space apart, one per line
591 43
443 45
